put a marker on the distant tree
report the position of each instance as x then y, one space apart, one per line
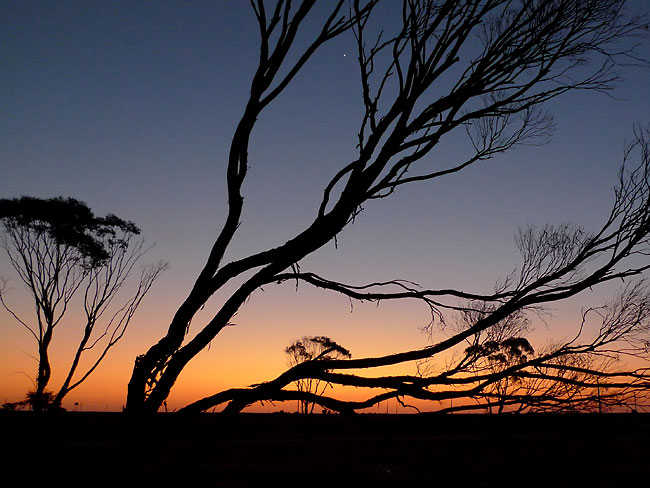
496 358
313 348
439 70
60 250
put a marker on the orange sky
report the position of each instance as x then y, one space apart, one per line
247 353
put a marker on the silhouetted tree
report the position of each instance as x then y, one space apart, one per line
481 69
313 348
60 249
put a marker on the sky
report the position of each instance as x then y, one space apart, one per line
130 106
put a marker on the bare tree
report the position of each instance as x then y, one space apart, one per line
497 366
479 68
60 250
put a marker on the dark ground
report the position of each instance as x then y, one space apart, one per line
97 449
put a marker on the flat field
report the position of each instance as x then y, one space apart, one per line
108 449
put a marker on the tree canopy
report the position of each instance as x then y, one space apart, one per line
68 223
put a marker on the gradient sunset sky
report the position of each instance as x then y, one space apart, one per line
130 106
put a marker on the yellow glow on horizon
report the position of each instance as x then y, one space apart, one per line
250 352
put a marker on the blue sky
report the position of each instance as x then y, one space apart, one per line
129 106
